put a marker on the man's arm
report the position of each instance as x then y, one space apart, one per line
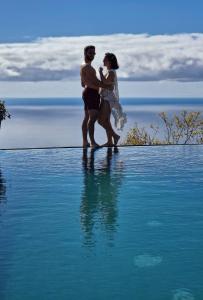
90 79
82 82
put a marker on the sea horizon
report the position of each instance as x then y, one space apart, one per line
45 122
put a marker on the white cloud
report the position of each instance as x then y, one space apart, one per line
142 57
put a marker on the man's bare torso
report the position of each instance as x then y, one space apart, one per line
88 77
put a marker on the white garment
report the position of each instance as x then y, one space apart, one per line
112 96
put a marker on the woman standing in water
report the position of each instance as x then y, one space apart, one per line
110 101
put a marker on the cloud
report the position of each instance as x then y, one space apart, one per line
142 57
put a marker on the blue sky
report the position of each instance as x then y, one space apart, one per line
41 45
31 19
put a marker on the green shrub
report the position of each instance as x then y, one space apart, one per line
183 128
3 112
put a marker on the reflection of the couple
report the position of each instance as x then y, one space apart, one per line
102 180
2 191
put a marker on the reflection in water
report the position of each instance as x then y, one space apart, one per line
102 180
2 194
2 189
4 254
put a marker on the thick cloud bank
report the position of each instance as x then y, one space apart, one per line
142 57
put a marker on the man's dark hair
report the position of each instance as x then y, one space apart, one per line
87 48
113 60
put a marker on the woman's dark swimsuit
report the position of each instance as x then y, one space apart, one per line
91 99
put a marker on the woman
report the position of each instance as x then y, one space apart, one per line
110 101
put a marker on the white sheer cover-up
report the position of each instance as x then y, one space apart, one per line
112 96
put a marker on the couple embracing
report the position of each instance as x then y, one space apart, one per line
101 98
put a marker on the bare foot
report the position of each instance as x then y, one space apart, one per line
108 145
85 145
94 146
116 139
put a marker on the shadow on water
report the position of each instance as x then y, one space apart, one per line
102 181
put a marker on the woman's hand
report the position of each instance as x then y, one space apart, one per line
100 70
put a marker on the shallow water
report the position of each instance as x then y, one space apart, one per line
123 224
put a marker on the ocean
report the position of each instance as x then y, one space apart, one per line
57 121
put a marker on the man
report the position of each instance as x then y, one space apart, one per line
91 96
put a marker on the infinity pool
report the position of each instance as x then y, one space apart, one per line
122 223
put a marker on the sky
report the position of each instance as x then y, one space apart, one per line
158 44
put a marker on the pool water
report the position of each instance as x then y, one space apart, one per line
122 223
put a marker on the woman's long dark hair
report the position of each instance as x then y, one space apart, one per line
113 60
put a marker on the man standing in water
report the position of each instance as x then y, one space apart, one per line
90 96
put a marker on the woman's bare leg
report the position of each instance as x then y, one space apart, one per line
105 122
115 136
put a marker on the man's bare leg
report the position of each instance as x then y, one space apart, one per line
93 115
85 129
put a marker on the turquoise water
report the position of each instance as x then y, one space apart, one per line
57 122
121 223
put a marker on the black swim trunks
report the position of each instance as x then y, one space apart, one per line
91 99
